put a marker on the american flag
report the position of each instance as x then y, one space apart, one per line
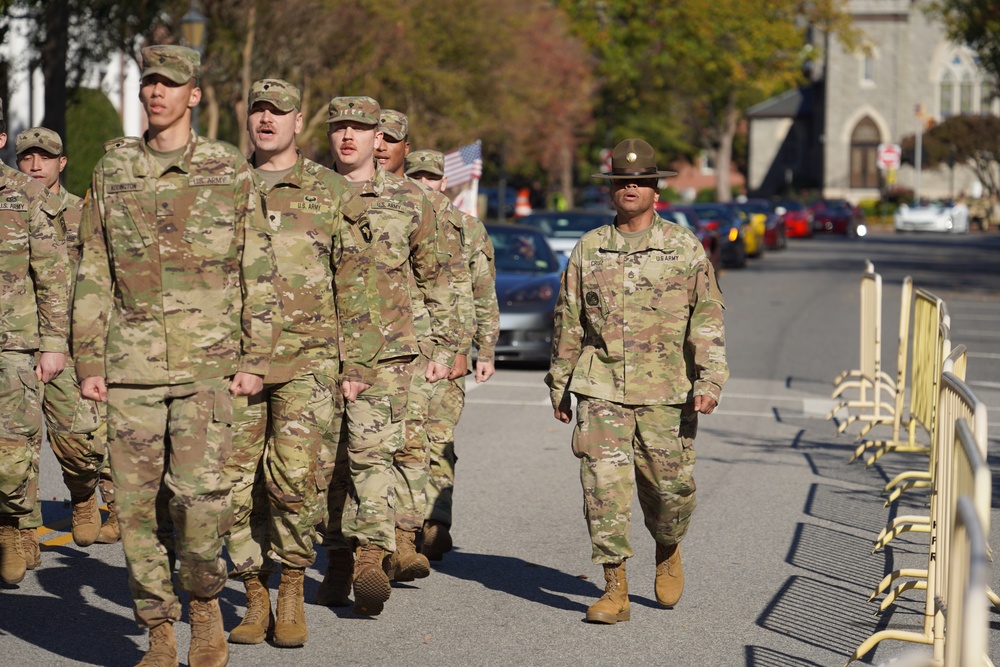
464 164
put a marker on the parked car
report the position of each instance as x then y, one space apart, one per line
773 225
687 217
731 229
528 274
564 228
492 195
798 218
837 216
937 216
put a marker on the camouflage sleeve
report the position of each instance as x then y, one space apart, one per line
92 301
484 294
567 336
462 281
706 336
261 318
49 265
355 291
433 253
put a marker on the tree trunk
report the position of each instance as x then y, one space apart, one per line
54 53
724 156
241 110
565 175
212 111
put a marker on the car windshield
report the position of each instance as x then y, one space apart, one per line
566 226
791 205
680 218
836 206
715 213
755 207
522 251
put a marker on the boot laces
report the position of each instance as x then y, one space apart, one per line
201 622
82 511
289 593
10 538
255 605
371 555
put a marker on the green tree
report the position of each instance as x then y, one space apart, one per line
976 23
91 120
964 139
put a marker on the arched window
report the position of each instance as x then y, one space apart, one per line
947 94
965 93
864 148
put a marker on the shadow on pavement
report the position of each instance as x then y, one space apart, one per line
760 656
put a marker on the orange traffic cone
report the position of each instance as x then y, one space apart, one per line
522 206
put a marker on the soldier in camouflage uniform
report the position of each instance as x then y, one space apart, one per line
444 410
175 314
324 274
33 318
639 341
411 464
411 259
75 425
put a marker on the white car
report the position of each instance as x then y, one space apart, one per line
941 216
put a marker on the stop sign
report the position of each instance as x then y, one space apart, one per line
888 156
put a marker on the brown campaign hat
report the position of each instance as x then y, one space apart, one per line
39 137
424 161
178 63
634 158
359 109
394 124
283 95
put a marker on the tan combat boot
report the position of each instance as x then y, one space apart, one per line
162 647
111 532
437 540
335 590
371 585
613 605
669 575
32 550
259 619
406 564
290 629
13 563
86 520
208 638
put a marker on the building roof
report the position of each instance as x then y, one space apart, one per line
793 103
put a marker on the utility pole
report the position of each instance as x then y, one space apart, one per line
919 149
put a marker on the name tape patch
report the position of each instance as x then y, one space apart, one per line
115 188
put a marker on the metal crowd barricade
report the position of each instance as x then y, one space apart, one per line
961 470
869 380
931 326
902 361
966 621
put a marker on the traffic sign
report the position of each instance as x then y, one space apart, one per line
888 156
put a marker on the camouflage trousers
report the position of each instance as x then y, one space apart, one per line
168 446
20 437
77 431
375 432
411 464
622 447
443 414
276 471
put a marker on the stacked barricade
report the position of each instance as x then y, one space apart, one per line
942 406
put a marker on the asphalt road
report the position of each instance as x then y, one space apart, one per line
777 559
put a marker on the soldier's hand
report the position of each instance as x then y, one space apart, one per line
50 364
484 370
436 371
94 388
460 368
564 412
246 384
704 404
352 389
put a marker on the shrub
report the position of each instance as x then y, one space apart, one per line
91 120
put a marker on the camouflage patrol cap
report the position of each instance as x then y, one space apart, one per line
39 137
283 95
394 124
426 161
178 63
359 109
634 158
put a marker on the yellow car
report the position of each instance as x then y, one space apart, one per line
754 225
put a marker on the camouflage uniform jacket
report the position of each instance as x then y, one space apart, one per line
639 327
33 263
409 248
176 278
72 215
325 274
483 278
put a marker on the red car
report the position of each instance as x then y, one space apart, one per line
687 217
798 218
836 216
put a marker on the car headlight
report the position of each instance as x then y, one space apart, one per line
533 294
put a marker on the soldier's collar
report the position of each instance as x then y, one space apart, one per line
654 240
294 176
146 167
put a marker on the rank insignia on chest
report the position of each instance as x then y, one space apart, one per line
592 299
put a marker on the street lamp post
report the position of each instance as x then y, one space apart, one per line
193 31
